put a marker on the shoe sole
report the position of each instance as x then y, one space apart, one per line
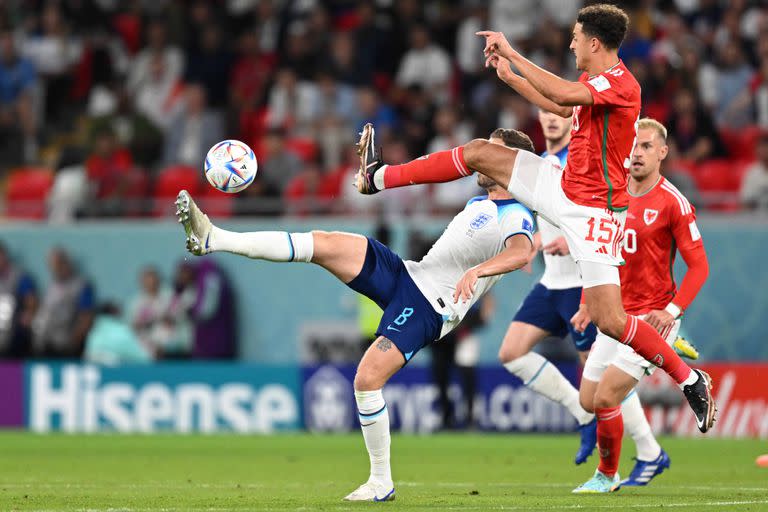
183 208
586 491
363 150
375 499
182 211
711 405
684 349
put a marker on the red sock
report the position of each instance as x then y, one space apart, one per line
434 168
610 428
647 342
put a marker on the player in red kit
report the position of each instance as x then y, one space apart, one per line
660 222
588 199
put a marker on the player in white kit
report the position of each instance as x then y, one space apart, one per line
422 301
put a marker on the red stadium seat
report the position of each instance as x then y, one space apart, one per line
215 202
719 182
740 144
724 175
681 165
306 149
168 184
26 191
135 193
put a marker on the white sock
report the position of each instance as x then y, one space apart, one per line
636 424
378 177
692 377
374 420
265 245
543 377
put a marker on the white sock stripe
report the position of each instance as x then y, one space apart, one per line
632 330
609 416
457 162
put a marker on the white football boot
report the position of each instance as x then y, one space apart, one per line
372 491
196 224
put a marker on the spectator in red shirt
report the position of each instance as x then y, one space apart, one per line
109 169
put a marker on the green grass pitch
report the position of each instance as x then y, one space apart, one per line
304 472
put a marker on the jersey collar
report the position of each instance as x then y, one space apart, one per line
647 191
607 70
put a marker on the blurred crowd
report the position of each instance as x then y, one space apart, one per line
108 107
190 316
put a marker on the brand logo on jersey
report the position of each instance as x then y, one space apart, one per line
650 216
480 221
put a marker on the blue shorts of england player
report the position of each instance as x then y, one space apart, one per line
552 310
409 320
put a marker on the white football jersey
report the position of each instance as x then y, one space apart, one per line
476 234
560 272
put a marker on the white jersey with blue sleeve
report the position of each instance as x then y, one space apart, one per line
560 272
476 234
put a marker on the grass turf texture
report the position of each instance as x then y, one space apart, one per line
306 472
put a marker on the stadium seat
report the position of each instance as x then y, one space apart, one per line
216 203
169 182
741 143
306 149
719 182
137 186
26 192
718 174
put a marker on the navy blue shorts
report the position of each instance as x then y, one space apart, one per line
409 319
552 310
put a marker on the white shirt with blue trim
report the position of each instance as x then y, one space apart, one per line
476 234
560 272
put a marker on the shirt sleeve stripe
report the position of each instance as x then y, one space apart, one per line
685 206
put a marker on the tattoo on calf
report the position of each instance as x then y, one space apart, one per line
384 344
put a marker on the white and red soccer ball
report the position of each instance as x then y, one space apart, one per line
230 166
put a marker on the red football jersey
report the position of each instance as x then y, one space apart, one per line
602 140
659 222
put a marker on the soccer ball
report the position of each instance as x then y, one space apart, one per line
230 166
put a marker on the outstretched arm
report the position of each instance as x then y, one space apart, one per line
516 255
562 92
525 89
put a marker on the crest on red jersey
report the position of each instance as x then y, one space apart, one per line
649 216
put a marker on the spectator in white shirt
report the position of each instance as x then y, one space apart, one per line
425 64
754 187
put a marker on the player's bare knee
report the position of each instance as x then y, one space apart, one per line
609 323
587 399
587 403
605 398
509 352
473 152
365 381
